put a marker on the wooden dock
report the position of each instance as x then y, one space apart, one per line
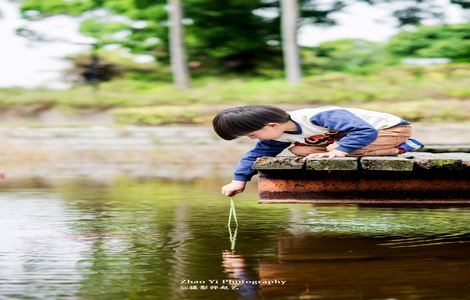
412 178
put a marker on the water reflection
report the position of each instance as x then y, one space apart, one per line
156 239
319 267
412 226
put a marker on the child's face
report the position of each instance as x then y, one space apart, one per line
271 131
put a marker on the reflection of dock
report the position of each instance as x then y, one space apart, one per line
355 268
415 178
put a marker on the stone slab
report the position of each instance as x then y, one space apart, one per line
332 164
404 162
278 163
381 163
443 161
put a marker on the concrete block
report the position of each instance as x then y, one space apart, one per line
443 161
278 163
384 163
332 164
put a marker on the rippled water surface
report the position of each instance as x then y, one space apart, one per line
133 239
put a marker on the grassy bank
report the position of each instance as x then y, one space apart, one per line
438 93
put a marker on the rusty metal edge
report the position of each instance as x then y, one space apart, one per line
379 202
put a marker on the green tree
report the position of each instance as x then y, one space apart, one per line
348 55
232 35
222 35
229 36
451 41
414 12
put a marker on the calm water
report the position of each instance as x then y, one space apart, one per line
134 239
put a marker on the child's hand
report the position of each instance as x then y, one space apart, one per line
329 154
233 188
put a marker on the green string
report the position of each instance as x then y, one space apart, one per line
233 236
232 213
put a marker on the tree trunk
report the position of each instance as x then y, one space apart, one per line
289 19
179 67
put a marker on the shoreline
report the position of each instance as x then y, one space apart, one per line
167 152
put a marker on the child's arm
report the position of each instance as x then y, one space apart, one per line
358 132
243 171
233 188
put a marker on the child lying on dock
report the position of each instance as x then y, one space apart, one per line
327 131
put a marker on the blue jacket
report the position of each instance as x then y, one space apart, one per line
352 128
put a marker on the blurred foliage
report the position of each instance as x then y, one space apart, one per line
243 37
437 93
451 41
414 12
161 115
54 7
462 3
124 66
221 36
426 110
346 55
353 56
364 57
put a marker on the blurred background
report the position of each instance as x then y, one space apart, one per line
117 66
113 171
138 54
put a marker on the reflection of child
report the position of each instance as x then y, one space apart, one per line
328 131
233 264
235 267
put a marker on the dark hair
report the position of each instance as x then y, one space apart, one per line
242 120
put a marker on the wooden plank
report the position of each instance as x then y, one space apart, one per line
387 163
